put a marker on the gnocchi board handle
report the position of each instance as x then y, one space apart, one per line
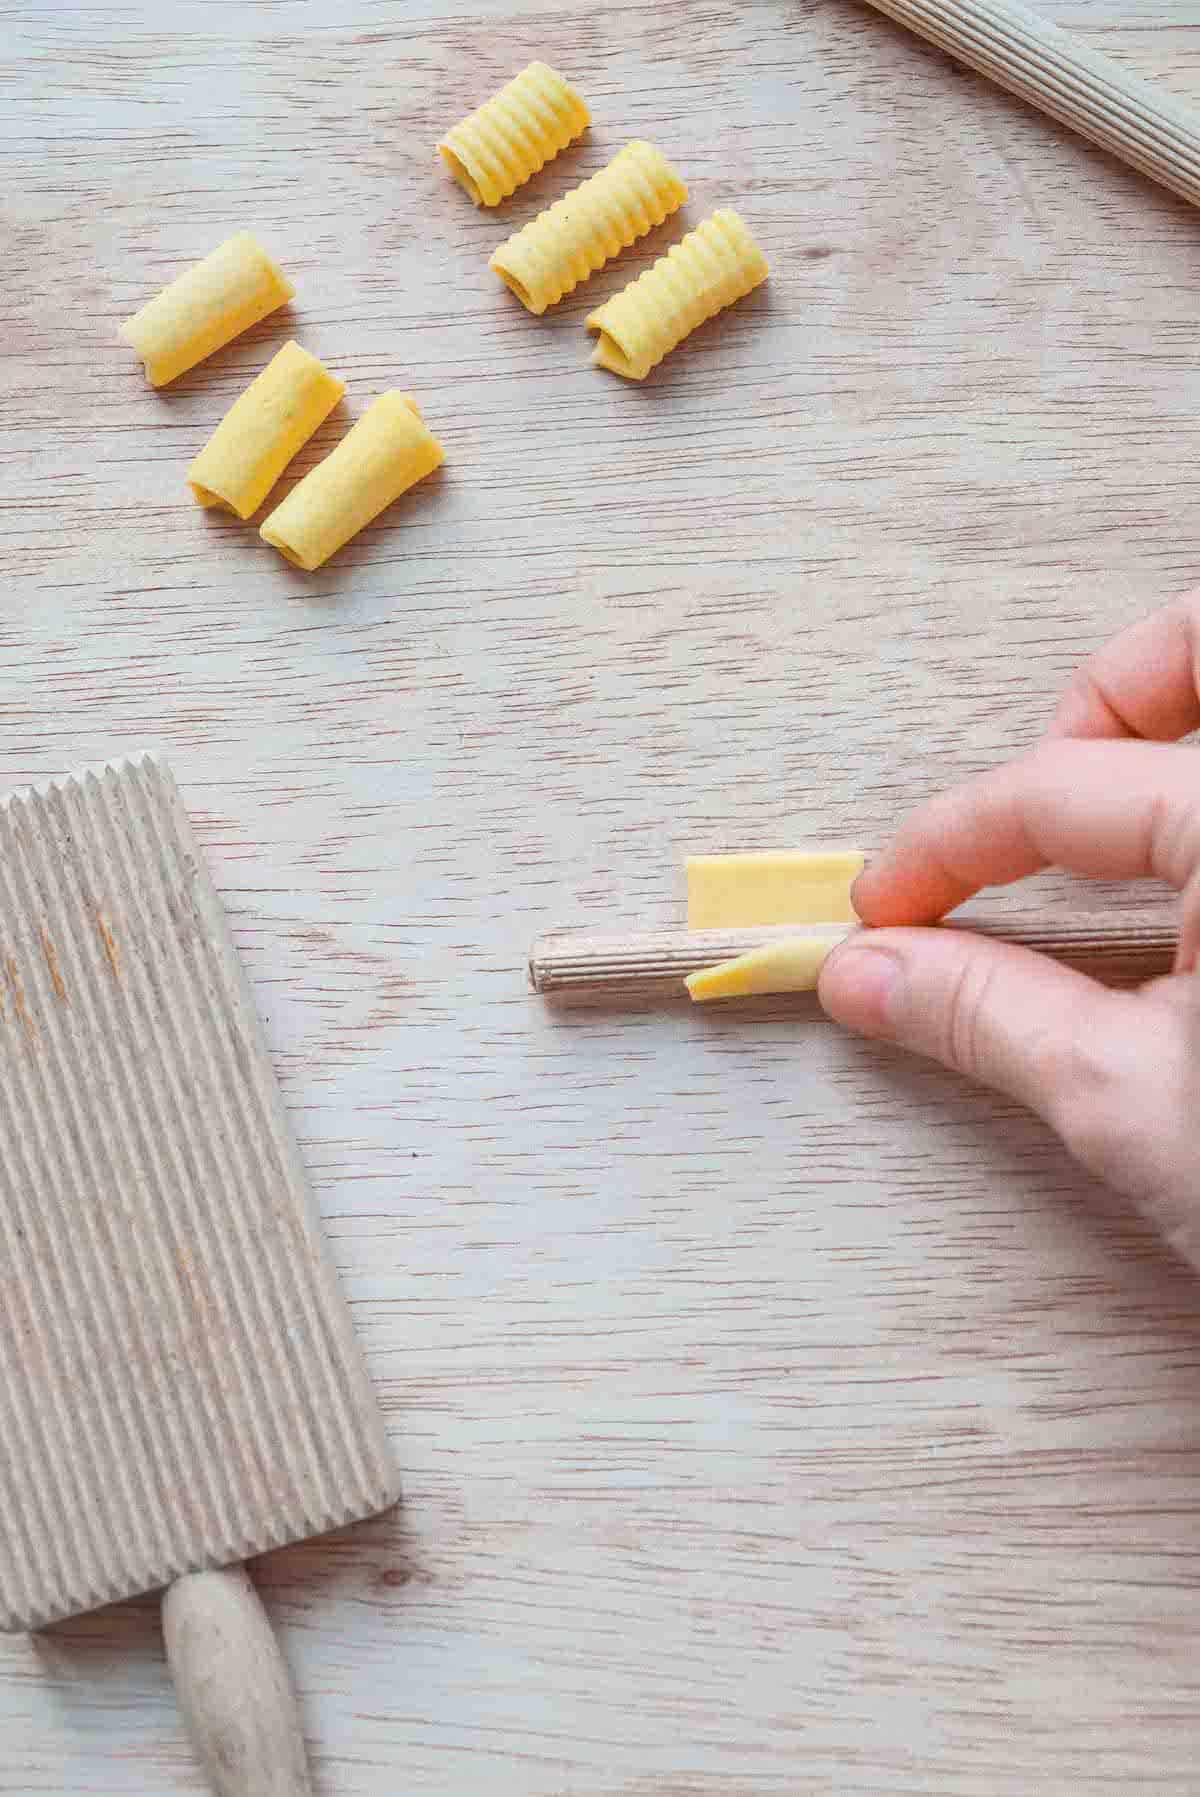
1138 122
233 1686
572 967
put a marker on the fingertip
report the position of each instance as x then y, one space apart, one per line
1081 714
1143 684
860 891
899 888
856 987
869 893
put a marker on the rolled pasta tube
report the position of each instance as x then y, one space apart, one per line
594 222
706 271
514 134
263 430
205 308
388 451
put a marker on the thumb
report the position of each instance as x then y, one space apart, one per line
1002 1015
1116 1074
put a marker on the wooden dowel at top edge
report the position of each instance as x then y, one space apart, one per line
572 967
1142 124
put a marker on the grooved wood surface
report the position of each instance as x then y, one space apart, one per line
776 1415
180 1386
570 967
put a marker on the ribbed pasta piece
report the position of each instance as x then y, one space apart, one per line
514 134
389 449
706 271
594 222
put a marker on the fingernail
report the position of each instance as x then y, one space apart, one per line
858 987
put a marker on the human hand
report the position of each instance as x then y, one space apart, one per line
1108 793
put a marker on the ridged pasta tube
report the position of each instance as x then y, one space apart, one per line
206 308
514 134
594 222
388 451
262 430
706 271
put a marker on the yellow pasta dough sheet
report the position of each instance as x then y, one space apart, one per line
510 137
206 307
791 965
744 891
262 430
594 222
388 451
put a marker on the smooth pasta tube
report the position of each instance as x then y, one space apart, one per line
514 134
706 271
388 451
594 222
263 430
206 308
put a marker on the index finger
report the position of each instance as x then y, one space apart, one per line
1144 683
1111 810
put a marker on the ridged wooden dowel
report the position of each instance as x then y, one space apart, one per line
573 968
1138 122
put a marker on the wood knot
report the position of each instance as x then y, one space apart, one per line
16 989
394 1578
109 942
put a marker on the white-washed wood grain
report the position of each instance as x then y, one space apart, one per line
777 1416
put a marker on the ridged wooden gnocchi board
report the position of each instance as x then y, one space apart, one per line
180 1386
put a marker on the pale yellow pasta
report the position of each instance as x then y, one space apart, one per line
706 271
744 891
595 221
388 451
263 430
205 308
514 134
793 965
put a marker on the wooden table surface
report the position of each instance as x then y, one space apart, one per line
777 1415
